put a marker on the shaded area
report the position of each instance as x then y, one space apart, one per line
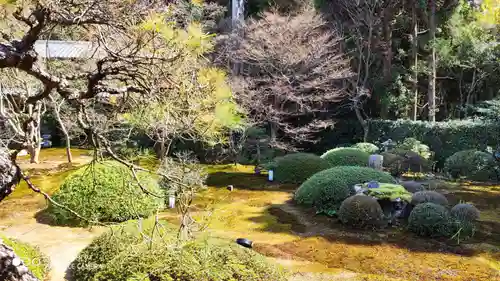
390 252
242 180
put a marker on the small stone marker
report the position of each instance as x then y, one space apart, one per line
270 176
376 161
171 201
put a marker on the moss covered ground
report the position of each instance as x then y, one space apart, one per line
317 247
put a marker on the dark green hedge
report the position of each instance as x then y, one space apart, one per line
443 138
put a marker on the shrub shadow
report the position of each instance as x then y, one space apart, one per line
304 222
246 181
44 217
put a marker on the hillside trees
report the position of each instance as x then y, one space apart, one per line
415 91
293 70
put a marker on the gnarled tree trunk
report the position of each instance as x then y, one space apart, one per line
12 268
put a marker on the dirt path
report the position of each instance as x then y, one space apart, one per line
60 244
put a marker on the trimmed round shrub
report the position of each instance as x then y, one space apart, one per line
412 186
297 167
327 189
463 229
367 147
105 192
429 197
361 211
130 257
465 212
346 157
108 246
431 220
37 262
472 164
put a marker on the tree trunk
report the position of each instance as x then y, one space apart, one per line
67 139
34 151
431 94
414 58
10 174
363 123
33 132
68 151
12 268
388 19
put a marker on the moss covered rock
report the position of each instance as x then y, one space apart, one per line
105 192
389 191
327 189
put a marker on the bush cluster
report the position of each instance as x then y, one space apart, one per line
123 254
412 144
443 138
297 167
346 157
472 164
361 211
105 192
327 189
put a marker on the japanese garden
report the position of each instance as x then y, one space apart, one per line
217 140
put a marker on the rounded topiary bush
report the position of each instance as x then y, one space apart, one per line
361 211
105 192
297 167
412 186
327 189
367 147
346 157
471 164
126 255
465 212
429 219
429 197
